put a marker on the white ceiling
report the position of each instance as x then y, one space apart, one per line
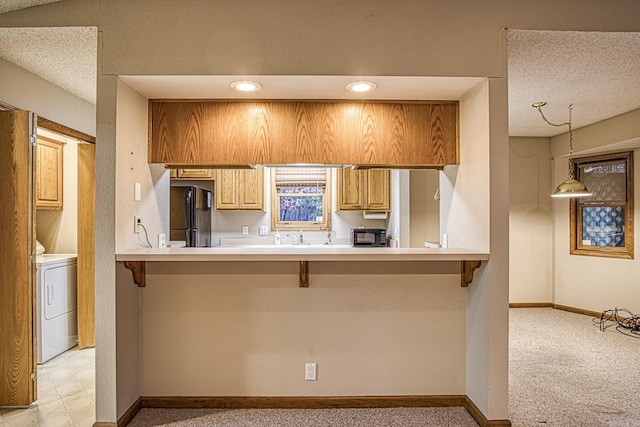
599 73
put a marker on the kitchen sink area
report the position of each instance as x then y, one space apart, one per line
287 242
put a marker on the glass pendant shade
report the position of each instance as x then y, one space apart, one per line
571 188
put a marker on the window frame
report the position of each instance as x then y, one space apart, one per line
324 225
575 212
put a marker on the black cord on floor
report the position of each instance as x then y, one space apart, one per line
626 323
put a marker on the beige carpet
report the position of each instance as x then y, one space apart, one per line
564 372
357 417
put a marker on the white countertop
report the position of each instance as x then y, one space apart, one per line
301 253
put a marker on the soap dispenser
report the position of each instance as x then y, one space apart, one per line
277 238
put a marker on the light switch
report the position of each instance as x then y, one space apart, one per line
137 191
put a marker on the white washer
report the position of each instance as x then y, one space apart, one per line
56 304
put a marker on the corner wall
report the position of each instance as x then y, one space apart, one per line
530 221
132 167
587 282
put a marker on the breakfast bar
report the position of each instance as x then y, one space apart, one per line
303 254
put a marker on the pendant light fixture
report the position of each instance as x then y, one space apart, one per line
571 187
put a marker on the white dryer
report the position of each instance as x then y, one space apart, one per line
56 305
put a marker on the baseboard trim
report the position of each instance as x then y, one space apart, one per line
126 418
308 402
530 305
479 416
577 310
302 402
570 309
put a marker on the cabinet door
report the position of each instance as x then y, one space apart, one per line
377 192
240 189
226 194
251 189
195 174
49 174
350 189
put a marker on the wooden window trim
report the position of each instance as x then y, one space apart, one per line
575 214
299 225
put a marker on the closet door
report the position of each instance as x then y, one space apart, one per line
18 386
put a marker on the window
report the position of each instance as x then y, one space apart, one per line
602 224
301 198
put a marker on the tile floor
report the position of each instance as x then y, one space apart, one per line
66 393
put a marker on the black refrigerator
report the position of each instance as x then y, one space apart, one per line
190 216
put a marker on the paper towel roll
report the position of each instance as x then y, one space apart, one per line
374 215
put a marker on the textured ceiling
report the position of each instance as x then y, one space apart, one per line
599 73
66 56
9 5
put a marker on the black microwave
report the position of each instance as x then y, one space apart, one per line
368 237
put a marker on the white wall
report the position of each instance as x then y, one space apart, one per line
530 221
541 268
132 167
464 191
424 210
247 329
586 282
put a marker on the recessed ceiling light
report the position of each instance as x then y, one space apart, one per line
245 86
361 86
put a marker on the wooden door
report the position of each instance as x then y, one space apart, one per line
18 385
86 245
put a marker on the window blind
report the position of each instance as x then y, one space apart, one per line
300 177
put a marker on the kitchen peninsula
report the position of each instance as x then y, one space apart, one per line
304 254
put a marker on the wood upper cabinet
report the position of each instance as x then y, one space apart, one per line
239 189
364 190
397 134
49 168
193 174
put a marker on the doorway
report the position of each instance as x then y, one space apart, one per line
18 354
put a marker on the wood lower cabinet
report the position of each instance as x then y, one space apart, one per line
239 189
193 174
49 168
364 190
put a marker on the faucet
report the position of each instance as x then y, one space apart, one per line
328 242
299 237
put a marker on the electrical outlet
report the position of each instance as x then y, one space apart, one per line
136 224
245 230
162 240
263 230
310 371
